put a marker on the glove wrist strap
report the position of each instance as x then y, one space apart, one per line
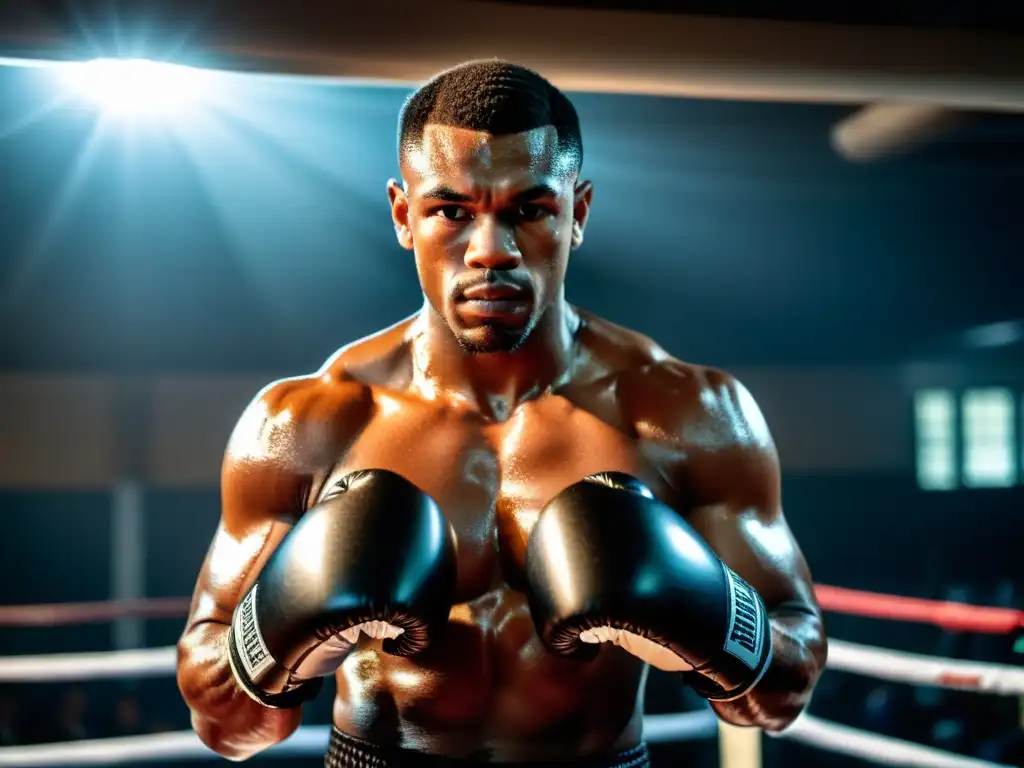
296 694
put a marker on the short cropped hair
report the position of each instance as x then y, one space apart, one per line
493 96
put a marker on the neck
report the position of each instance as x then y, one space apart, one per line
495 383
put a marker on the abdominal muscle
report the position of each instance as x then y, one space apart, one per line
488 688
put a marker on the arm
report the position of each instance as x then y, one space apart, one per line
730 489
267 474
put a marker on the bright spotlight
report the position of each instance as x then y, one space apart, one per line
136 86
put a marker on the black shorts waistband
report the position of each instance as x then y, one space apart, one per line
346 751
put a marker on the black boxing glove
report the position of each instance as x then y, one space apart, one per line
607 562
377 556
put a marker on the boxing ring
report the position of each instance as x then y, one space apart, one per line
739 747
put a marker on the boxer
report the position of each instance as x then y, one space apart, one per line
488 520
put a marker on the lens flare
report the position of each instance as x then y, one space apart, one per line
136 86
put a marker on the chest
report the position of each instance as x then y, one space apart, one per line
493 480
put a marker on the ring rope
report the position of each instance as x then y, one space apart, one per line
881 663
53 667
918 669
897 666
308 740
955 617
312 741
875 748
60 614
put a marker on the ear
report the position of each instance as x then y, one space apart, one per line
582 196
400 213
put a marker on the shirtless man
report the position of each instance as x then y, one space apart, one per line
490 518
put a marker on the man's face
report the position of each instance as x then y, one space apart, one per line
491 220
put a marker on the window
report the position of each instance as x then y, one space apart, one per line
990 456
935 418
979 433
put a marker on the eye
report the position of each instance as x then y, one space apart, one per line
530 212
454 213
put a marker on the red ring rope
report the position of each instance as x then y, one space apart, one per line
59 614
955 617
948 615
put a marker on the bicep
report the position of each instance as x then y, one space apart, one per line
260 498
759 546
232 563
736 490
291 428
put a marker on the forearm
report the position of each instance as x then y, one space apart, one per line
224 717
799 652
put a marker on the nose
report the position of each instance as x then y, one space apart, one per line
492 245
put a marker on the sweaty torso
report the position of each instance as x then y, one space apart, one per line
488 687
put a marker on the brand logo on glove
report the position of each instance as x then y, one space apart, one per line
746 631
255 655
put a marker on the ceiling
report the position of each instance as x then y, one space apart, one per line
953 14
255 236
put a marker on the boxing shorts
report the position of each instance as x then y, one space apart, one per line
347 751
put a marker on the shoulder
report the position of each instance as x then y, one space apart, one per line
672 401
708 426
289 419
693 403
292 431
296 422
380 359
616 349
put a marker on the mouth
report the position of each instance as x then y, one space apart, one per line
492 292
495 308
492 301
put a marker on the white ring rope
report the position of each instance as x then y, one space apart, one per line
849 657
911 668
309 740
683 726
917 669
883 750
55 667
126 750
312 741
